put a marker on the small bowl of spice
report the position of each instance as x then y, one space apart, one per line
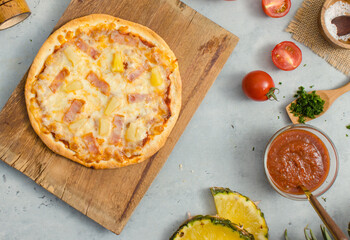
335 22
298 157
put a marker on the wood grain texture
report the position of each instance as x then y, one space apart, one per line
324 30
110 196
12 12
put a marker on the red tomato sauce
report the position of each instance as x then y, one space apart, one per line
295 158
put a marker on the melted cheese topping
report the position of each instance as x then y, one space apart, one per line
104 93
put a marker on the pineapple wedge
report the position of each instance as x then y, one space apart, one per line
71 55
73 86
59 100
104 127
135 132
156 77
209 227
240 210
112 105
117 64
76 125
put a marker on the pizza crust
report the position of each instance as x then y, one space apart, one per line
47 49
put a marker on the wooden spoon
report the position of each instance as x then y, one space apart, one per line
326 219
329 96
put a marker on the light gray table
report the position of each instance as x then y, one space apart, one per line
211 151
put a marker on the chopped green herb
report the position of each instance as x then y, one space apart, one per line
284 96
280 83
312 86
278 117
31 40
307 105
253 149
324 199
346 135
305 65
348 126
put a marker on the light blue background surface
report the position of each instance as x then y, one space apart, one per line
211 151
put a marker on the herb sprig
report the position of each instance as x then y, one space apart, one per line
307 105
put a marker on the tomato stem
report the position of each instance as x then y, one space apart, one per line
271 94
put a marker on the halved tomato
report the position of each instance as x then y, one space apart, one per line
276 8
286 56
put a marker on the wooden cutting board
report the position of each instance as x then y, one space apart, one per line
110 196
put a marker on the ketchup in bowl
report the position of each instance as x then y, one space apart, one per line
300 155
297 157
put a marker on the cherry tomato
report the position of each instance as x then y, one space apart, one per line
286 56
276 8
259 86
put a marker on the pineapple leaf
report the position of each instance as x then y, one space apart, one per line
313 237
285 235
325 233
306 234
310 235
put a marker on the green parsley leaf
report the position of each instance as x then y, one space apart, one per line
307 105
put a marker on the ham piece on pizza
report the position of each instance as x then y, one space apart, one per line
104 92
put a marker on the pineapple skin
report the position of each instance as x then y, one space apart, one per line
244 235
220 190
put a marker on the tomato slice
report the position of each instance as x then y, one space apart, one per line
276 8
286 56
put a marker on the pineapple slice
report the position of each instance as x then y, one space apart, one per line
76 125
240 210
135 132
94 103
59 100
104 127
71 55
112 105
156 77
117 64
73 86
209 227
